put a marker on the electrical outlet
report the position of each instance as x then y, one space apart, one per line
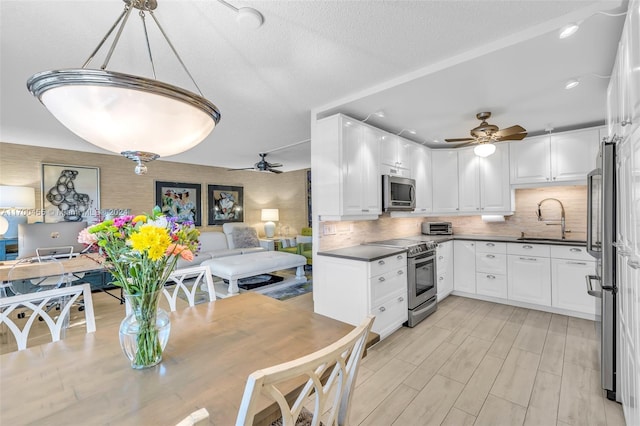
328 229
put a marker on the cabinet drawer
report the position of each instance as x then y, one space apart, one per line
390 314
387 264
491 285
528 249
491 263
571 252
491 247
384 285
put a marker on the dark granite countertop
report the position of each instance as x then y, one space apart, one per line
363 252
499 239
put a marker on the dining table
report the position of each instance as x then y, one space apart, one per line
213 347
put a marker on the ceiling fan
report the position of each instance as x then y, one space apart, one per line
263 165
486 134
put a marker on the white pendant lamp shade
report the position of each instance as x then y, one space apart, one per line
484 149
121 112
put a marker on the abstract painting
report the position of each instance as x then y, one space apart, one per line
225 204
180 200
70 193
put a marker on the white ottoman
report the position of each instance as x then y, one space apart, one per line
247 265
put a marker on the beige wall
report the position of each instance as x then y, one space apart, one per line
574 199
120 187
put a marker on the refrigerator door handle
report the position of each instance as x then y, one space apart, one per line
590 290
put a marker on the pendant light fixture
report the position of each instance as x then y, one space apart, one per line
138 117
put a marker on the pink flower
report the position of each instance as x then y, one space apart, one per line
85 237
183 251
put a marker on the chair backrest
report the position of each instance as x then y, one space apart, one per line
35 275
38 303
198 417
188 280
330 375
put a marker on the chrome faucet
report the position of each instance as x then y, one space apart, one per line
562 216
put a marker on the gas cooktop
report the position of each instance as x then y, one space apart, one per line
413 247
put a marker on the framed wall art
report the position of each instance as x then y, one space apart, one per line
225 204
181 200
70 193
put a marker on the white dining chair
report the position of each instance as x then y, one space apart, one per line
330 375
188 280
198 417
38 303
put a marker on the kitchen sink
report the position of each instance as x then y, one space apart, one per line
550 240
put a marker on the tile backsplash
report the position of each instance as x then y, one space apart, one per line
574 199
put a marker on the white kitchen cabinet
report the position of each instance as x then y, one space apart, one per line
396 154
445 180
468 181
345 160
348 290
529 279
421 173
559 157
444 269
491 269
568 285
464 266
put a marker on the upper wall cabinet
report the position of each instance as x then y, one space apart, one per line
558 158
395 157
345 157
483 183
421 172
444 167
623 94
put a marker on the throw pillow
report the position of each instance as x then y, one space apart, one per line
245 237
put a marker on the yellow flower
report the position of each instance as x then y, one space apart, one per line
152 240
140 219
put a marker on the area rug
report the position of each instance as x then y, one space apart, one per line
284 293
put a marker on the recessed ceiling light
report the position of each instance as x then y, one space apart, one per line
568 30
571 83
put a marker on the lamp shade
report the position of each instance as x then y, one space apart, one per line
270 215
17 197
121 112
484 149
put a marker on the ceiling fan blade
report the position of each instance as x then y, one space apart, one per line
516 137
460 140
466 144
275 165
510 131
244 168
275 171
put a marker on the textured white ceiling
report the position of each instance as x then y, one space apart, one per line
431 65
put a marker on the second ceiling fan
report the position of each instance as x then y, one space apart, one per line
486 134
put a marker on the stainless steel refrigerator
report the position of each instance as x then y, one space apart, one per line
601 232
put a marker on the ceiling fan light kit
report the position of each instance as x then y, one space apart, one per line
123 113
262 166
484 149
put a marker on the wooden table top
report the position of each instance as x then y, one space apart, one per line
212 349
82 263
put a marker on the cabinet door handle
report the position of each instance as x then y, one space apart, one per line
382 309
400 299
365 210
577 263
532 259
575 250
527 247
490 245
440 278
399 257
381 279
633 264
380 262
440 257
400 272
490 256
491 277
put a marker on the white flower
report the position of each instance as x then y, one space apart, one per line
160 222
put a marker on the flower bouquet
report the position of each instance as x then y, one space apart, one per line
141 252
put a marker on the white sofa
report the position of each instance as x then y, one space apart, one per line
235 239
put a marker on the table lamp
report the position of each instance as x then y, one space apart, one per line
12 200
270 215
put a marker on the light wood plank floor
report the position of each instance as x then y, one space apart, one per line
470 363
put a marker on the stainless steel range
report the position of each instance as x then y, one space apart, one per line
421 276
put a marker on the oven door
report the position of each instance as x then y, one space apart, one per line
421 271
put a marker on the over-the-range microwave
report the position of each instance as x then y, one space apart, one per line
398 193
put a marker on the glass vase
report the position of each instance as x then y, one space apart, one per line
144 332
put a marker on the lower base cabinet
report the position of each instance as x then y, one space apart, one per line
444 269
529 279
569 288
494 285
